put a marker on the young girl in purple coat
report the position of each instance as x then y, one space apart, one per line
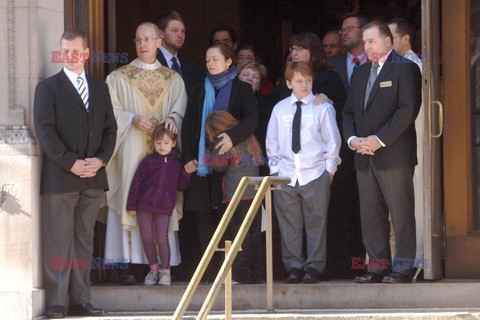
152 197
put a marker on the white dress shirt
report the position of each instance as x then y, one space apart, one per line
319 139
72 76
168 57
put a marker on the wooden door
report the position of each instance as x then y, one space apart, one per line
461 137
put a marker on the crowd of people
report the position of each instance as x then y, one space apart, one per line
171 137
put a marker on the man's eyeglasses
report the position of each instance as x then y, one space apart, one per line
225 41
296 49
348 29
146 40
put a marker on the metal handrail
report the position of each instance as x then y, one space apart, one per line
265 186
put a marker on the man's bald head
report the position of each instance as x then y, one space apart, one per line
149 25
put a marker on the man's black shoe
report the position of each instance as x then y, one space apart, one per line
85 309
369 277
294 275
55 312
313 276
127 280
397 277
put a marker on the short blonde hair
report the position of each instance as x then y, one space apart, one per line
254 66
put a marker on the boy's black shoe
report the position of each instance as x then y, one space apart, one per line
313 276
294 275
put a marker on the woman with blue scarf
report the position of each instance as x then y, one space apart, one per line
222 90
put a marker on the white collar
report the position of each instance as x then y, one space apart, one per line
148 66
72 76
168 55
381 62
305 100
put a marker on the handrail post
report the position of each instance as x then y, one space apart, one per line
269 245
207 256
228 285
227 264
265 186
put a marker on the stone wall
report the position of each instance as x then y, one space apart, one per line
29 31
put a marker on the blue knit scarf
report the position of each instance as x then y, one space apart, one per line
222 82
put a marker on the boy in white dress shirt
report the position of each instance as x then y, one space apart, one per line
303 143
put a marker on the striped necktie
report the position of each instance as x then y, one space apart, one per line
82 91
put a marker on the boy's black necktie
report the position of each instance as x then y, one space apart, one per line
296 127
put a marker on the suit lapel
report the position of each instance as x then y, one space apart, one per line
67 85
344 72
387 66
162 59
91 93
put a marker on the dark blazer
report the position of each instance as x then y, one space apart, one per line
191 73
389 114
339 62
67 132
242 106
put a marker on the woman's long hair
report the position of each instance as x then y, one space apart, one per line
220 121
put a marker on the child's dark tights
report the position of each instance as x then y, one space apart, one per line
147 221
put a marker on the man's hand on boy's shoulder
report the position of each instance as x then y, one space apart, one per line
321 98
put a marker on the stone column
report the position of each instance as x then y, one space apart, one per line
29 31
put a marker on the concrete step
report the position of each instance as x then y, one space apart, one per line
341 295
374 314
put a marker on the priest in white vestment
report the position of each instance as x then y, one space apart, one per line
144 93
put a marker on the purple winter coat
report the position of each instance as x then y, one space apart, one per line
156 182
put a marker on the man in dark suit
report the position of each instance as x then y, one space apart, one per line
172 33
379 124
351 34
76 129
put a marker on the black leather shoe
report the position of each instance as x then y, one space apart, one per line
85 310
369 277
294 275
313 276
397 277
55 312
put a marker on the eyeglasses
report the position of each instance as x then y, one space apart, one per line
348 29
296 49
146 40
226 41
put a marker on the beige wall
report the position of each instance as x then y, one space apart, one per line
29 31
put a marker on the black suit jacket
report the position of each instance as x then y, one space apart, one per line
242 106
67 132
390 112
191 73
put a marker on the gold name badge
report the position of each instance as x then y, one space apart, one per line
385 84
